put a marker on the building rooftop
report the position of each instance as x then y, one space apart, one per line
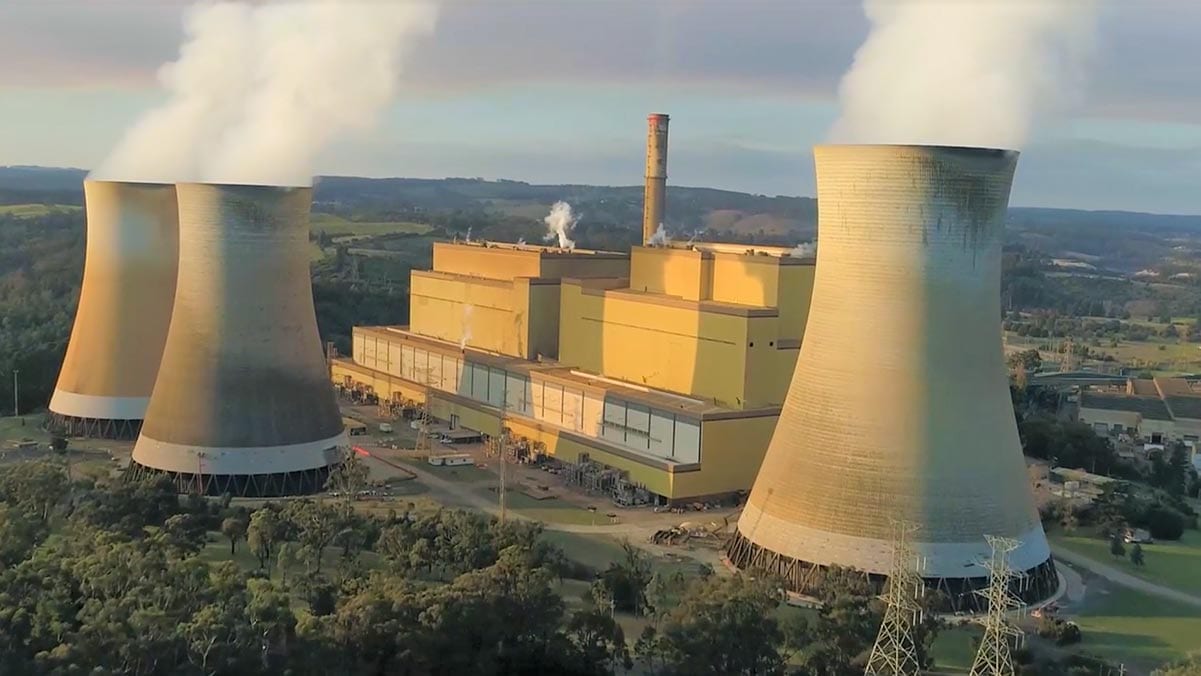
1152 408
536 249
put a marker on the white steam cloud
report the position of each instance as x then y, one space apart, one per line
963 73
559 223
465 334
259 89
659 237
804 250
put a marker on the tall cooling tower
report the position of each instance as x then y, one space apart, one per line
899 408
243 403
124 309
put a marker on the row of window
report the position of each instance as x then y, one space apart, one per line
625 423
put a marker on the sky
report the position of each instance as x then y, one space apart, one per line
557 91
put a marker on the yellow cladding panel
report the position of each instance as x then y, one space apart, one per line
796 288
675 272
731 452
584 266
451 308
675 348
491 262
746 280
465 416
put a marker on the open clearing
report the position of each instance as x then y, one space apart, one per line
35 210
1171 564
1124 625
336 225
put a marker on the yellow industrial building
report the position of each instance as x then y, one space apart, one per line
669 364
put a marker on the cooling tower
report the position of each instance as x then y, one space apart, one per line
899 408
243 402
654 196
124 309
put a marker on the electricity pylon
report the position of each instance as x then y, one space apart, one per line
995 658
895 651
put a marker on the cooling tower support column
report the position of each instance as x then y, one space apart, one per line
899 408
243 403
124 310
654 200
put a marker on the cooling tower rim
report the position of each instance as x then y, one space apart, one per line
947 149
233 184
117 182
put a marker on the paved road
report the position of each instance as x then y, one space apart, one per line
1125 579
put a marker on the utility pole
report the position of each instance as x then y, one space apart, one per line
16 393
994 657
895 651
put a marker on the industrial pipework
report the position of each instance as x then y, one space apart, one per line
124 310
899 407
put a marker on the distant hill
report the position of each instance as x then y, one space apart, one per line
1125 241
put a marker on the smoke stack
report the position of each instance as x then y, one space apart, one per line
243 402
654 200
124 310
899 407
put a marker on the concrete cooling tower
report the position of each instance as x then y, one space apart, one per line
124 309
243 403
899 408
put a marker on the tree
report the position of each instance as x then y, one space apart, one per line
233 528
350 476
1030 361
1136 555
1188 666
723 625
599 641
1164 523
1116 548
35 487
624 582
262 534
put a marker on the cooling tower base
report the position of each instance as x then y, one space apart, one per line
1036 584
95 428
279 484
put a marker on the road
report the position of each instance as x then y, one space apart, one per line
1125 579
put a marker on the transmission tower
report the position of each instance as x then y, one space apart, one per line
895 651
994 658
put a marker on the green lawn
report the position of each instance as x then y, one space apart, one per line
597 551
336 225
1171 564
551 510
25 427
217 550
34 210
954 649
1127 626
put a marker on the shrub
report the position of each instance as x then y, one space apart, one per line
1165 523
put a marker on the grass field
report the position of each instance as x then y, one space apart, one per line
34 210
551 510
954 649
1165 357
336 225
1127 626
25 427
1171 564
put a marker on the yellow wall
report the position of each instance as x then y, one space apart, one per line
493 263
731 452
491 312
673 272
746 280
676 348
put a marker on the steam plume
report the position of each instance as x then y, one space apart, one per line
465 335
804 250
559 223
962 73
659 237
259 89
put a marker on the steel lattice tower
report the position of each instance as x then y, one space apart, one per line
994 658
895 651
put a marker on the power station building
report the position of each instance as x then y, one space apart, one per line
899 407
668 365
